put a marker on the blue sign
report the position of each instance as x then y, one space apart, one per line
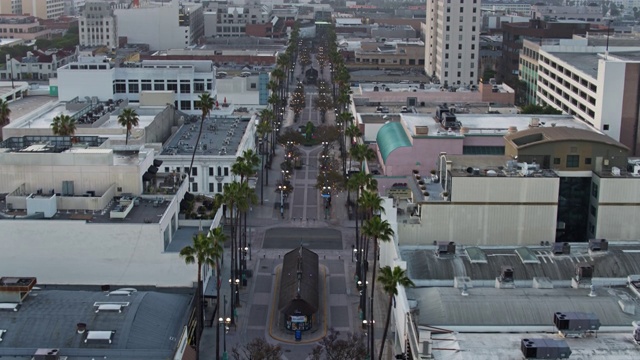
298 335
326 195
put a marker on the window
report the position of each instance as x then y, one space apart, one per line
219 187
219 171
459 46
587 161
185 104
146 85
446 47
194 187
158 85
573 161
253 85
592 210
226 171
594 190
166 169
211 172
211 187
120 87
172 86
605 127
556 161
133 89
198 87
185 88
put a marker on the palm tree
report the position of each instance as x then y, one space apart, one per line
353 131
63 125
361 153
378 230
247 199
358 182
128 119
201 252
390 279
218 238
206 104
4 113
371 202
230 196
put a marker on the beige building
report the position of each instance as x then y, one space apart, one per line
22 27
407 53
44 9
555 184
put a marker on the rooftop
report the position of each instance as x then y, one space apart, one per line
221 135
50 144
490 124
488 307
545 134
148 327
587 63
483 346
485 263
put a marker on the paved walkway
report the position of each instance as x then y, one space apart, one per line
256 316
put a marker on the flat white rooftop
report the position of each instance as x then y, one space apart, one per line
44 120
466 346
491 124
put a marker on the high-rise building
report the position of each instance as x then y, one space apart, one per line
44 9
451 41
97 25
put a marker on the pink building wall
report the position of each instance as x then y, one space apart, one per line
425 151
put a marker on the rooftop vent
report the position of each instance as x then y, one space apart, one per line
584 271
46 354
561 248
506 273
545 349
568 322
598 245
446 249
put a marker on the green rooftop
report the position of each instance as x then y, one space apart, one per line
390 137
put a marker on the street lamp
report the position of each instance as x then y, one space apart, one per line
355 251
368 325
246 250
224 322
282 189
237 293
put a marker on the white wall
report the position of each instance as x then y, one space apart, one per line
609 93
157 26
80 253
72 83
238 90
617 208
504 189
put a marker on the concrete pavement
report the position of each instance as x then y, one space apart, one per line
255 316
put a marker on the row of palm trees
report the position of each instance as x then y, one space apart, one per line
368 204
207 249
65 125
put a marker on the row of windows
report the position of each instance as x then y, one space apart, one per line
459 74
95 23
572 161
194 170
133 87
574 89
561 69
446 65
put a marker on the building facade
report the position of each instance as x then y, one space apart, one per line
452 41
183 81
22 27
513 34
399 53
161 25
44 9
37 65
602 90
97 26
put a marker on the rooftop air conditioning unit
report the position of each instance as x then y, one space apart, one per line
598 245
584 271
46 354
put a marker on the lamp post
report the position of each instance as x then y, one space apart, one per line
224 321
355 251
368 325
246 251
233 317
263 165
237 293
282 189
